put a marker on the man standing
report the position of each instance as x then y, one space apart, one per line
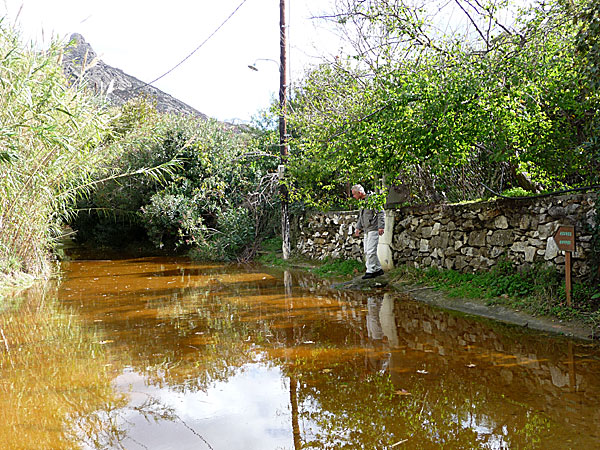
372 222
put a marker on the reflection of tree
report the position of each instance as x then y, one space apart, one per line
204 341
350 404
191 335
343 411
56 383
294 413
187 339
55 380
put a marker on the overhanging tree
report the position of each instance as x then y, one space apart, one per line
502 105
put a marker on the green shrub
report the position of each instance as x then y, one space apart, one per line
172 217
235 232
214 202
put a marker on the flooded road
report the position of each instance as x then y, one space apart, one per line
158 353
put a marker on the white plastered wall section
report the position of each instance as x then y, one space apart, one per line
384 251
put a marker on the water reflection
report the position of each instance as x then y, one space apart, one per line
55 378
186 355
378 353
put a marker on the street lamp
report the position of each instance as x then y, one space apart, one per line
253 65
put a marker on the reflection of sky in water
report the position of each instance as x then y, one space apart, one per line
248 411
487 432
371 372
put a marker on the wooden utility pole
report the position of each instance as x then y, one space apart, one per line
283 138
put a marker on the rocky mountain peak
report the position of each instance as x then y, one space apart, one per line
79 49
81 63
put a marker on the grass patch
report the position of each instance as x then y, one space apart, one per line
339 268
270 255
272 259
539 290
273 245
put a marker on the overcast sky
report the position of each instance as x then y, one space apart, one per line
146 38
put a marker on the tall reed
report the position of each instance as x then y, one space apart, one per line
50 144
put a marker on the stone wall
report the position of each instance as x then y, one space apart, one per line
329 234
466 237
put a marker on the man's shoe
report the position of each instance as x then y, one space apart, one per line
378 273
368 275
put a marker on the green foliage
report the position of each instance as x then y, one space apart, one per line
215 202
235 232
339 268
50 144
516 192
588 41
452 114
174 217
109 214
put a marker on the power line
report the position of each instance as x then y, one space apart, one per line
195 50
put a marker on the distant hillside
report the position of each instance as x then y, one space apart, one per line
118 86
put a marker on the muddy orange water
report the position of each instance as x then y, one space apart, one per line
158 353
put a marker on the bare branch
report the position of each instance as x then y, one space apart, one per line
473 23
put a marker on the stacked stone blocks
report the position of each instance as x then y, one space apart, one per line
466 237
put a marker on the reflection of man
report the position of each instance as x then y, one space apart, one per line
373 223
377 356
374 330
387 318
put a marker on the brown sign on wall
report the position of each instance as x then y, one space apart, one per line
565 238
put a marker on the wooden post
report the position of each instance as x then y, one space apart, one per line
572 375
565 240
283 138
568 277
